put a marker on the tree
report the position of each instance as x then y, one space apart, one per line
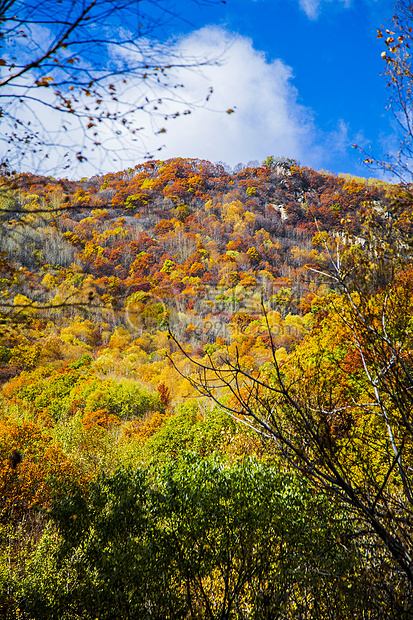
399 73
339 408
198 538
74 76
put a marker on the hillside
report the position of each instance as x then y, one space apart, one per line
183 242
132 301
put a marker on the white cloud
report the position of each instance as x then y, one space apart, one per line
268 120
312 7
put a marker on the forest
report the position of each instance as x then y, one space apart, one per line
206 402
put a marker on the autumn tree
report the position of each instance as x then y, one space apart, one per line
398 39
339 407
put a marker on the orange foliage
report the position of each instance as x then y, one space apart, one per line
99 419
165 394
142 430
29 483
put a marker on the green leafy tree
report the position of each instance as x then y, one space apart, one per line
198 539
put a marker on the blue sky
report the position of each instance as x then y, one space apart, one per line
311 82
302 76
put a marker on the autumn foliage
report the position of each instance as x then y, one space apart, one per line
109 286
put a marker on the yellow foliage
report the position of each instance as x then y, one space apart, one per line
147 183
113 232
78 330
27 305
232 211
49 281
120 338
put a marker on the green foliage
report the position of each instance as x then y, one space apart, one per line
75 388
85 360
200 539
5 355
124 398
189 430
